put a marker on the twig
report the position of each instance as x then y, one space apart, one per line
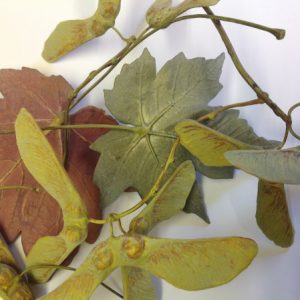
211 115
277 32
293 133
19 187
286 134
112 290
245 75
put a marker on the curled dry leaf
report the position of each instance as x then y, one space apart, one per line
162 12
37 214
206 144
272 213
187 264
69 35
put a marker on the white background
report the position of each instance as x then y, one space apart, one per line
275 273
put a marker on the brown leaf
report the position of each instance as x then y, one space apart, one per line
38 214
45 97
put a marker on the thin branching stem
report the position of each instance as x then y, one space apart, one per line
277 32
98 126
291 130
285 137
19 187
121 36
133 42
211 115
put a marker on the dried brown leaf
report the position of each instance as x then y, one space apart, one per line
45 97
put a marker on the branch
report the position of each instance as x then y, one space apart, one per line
211 115
277 32
245 75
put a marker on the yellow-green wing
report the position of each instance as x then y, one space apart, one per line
187 264
168 202
206 144
196 264
41 161
137 284
272 213
81 284
69 35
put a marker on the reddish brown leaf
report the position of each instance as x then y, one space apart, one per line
38 214
45 97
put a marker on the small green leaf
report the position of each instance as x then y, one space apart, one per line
161 13
43 164
69 35
281 166
207 144
272 214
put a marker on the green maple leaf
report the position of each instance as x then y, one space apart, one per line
153 104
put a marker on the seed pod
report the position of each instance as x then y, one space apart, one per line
11 288
69 35
43 164
161 13
187 264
